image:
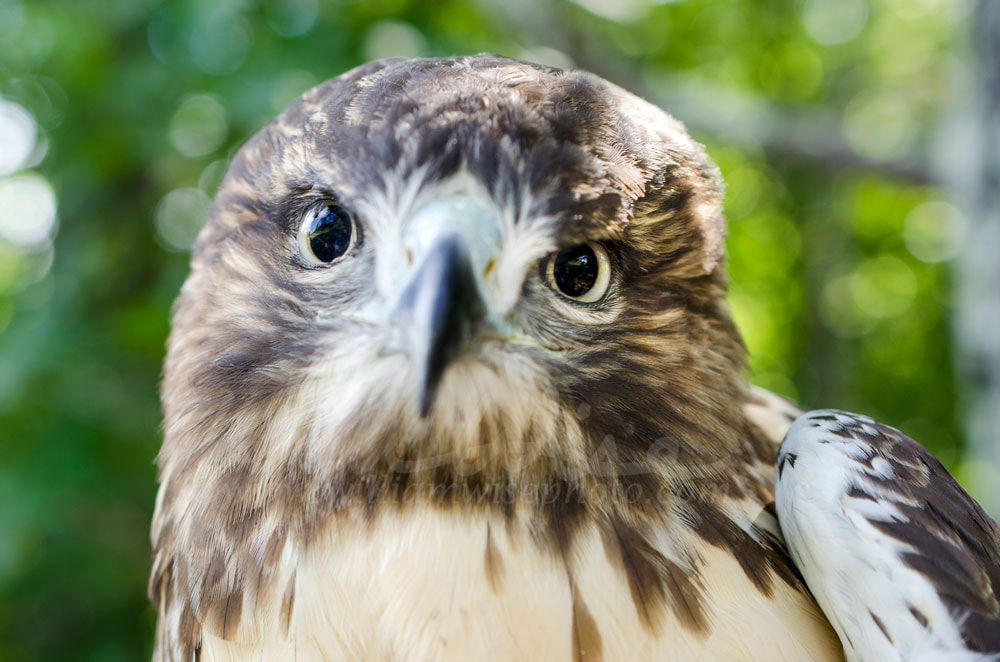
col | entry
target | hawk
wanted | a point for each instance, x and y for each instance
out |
(453, 378)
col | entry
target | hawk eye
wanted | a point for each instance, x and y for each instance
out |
(581, 273)
(327, 233)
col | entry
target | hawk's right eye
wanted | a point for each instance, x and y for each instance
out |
(327, 233)
(581, 273)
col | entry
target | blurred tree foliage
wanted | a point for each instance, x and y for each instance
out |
(819, 113)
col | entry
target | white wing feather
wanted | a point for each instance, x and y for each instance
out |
(902, 561)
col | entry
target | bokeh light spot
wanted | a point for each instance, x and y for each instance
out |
(35, 41)
(840, 313)
(211, 176)
(11, 18)
(394, 38)
(615, 10)
(883, 286)
(36, 265)
(45, 97)
(220, 45)
(27, 210)
(17, 136)
(834, 21)
(934, 231)
(199, 125)
(180, 215)
(879, 126)
(292, 18)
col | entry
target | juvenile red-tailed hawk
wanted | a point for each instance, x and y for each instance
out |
(453, 378)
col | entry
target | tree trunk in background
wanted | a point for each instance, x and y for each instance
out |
(978, 267)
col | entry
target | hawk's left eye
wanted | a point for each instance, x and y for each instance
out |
(581, 273)
(327, 233)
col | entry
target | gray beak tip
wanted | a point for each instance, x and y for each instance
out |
(439, 310)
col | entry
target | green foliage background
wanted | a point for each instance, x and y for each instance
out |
(836, 258)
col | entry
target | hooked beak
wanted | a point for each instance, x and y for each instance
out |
(439, 310)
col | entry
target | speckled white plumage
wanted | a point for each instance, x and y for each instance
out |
(841, 479)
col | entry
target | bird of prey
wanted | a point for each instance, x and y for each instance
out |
(453, 378)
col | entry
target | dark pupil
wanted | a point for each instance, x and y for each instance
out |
(575, 270)
(330, 233)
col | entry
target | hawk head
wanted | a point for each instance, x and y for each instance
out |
(452, 278)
